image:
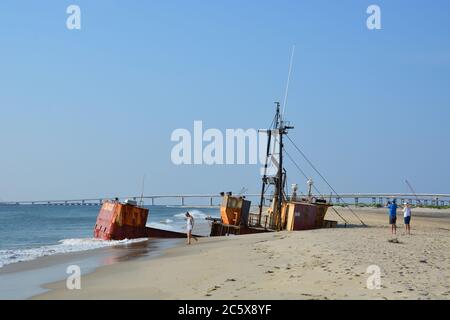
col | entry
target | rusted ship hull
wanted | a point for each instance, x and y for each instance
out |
(119, 221)
(219, 229)
(295, 216)
(305, 216)
(166, 234)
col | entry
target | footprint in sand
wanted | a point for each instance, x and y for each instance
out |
(213, 289)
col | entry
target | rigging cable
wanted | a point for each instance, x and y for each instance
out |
(315, 188)
(323, 178)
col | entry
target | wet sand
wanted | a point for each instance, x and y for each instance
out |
(316, 264)
(25, 279)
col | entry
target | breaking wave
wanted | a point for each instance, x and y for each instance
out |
(197, 214)
(63, 246)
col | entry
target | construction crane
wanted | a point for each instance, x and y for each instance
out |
(414, 193)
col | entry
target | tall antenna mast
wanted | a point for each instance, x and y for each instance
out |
(291, 61)
(279, 128)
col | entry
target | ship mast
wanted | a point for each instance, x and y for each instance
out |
(279, 128)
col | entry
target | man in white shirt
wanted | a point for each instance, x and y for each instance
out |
(407, 217)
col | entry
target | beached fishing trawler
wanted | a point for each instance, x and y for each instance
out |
(127, 220)
(284, 212)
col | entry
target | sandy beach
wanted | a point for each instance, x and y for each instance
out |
(317, 264)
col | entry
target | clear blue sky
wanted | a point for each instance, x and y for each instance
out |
(87, 113)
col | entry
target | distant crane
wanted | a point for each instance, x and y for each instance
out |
(412, 190)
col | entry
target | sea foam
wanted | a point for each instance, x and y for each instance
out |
(63, 246)
(197, 214)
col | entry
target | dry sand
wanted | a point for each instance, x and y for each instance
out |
(317, 264)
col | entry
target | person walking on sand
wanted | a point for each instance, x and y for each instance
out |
(407, 217)
(189, 226)
(393, 216)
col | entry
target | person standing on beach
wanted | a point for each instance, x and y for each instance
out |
(407, 217)
(393, 216)
(189, 226)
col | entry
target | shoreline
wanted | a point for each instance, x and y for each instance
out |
(30, 268)
(23, 280)
(315, 264)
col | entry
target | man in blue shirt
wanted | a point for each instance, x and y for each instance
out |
(393, 216)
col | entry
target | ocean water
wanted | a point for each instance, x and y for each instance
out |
(28, 232)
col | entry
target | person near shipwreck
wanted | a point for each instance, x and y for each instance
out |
(189, 226)
(407, 217)
(393, 216)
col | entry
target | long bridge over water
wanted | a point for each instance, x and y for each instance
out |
(214, 199)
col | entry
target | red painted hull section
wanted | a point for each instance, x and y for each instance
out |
(308, 217)
(117, 221)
